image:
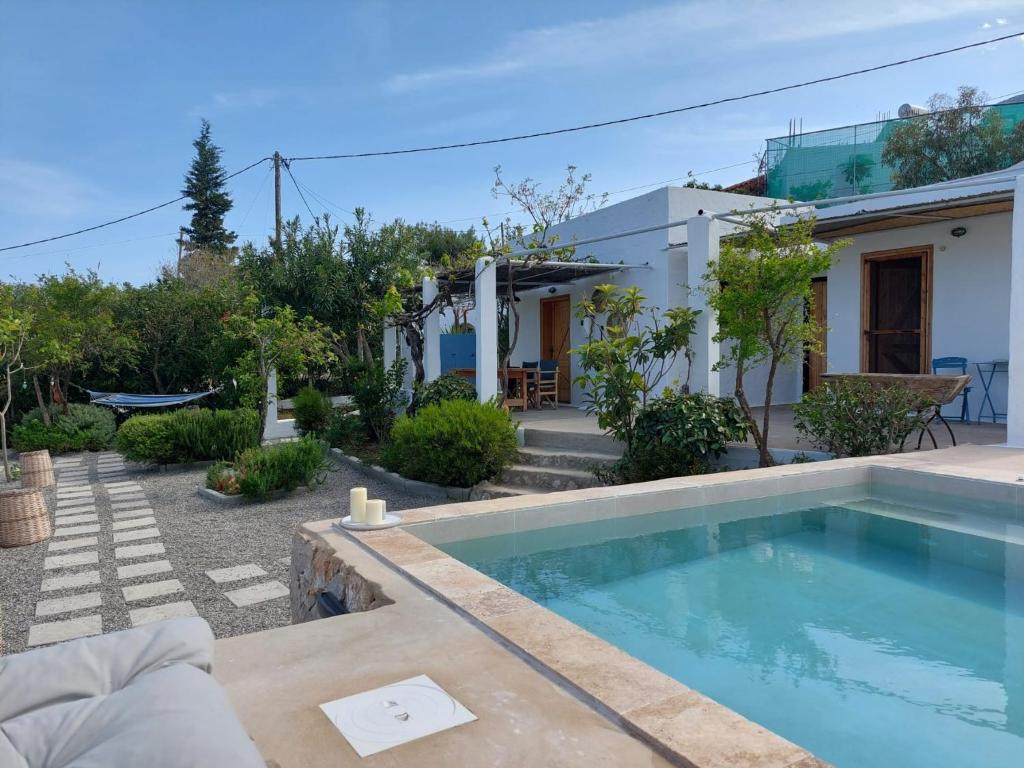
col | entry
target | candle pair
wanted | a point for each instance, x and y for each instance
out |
(363, 510)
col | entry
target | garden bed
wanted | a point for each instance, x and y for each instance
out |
(398, 482)
(238, 499)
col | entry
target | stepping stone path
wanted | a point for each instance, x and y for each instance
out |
(108, 559)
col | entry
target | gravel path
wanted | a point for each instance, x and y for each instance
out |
(193, 536)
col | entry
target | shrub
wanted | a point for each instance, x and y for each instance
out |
(223, 478)
(849, 417)
(446, 387)
(312, 411)
(456, 442)
(379, 395)
(196, 434)
(82, 428)
(281, 467)
(345, 429)
(677, 435)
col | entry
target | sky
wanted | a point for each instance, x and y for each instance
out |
(100, 101)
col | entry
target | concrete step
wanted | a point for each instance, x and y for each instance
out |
(571, 441)
(495, 491)
(547, 478)
(554, 457)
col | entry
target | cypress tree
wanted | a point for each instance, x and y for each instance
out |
(208, 201)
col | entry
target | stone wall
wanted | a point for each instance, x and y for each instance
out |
(316, 568)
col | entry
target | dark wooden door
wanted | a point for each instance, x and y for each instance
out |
(896, 311)
(554, 341)
(816, 362)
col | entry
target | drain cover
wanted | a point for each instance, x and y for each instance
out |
(395, 714)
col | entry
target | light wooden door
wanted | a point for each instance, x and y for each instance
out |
(817, 359)
(896, 289)
(554, 341)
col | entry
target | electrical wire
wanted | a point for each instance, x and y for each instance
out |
(287, 167)
(123, 218)
(662, 113)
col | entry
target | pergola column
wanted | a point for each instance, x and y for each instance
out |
(1015, 385)
(431, 333)
(486, 329)
(702, 242)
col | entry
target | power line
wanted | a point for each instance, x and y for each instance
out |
(662, 113)
(287, 167)
(123, 218)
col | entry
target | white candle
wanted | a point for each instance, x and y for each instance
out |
(357, 504)
(374, 512)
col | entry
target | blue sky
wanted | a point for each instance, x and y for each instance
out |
(99, 101)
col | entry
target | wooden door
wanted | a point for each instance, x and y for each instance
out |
(554, 341)
(816, 360)
(896, 290)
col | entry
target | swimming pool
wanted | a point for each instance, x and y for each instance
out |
(870, 631)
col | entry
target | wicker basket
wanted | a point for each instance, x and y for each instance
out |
(36, 469)
(24, 518)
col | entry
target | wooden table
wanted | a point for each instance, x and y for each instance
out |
(518, 376)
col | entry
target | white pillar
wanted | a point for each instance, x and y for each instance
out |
(272, 396)
(431, 333)
(702, 241)
(486, 329)
(390, 345)
(1015, 386)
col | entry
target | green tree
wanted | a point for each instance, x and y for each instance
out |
(760, 289)
(208, 199)
(273, 338)
(631, 348)
(15, 324)
(75, 332)
(958, 137)
(857, 172)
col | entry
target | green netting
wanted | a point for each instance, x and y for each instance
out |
(842, 161)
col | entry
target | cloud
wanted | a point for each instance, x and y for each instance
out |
(250, 98)
(38, 190)
(647, 36)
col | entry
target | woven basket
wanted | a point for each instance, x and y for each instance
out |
(24, 518)
(36, 469)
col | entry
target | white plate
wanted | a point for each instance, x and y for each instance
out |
(390, 521)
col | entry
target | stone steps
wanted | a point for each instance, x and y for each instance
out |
(553, 457)
(496, 491)
(574, 442)
(548, 478)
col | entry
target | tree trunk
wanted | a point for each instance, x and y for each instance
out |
(39, 399)
(741, 397)
(764, 455)
(3, 421)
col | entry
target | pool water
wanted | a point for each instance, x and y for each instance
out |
(869, 640)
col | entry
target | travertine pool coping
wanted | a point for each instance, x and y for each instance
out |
(682, 724)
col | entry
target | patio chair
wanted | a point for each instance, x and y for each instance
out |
(958, 364)
(533, 368)
(547, 383)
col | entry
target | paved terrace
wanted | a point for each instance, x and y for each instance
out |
(782, 433)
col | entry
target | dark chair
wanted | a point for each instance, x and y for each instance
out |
(958, 364)
(547, 386)
(532, 376)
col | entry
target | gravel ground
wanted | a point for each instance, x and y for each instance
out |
(198, 536)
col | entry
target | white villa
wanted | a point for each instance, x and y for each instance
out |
(935, 271)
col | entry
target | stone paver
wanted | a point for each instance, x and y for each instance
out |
(125, 491)
(88, 508)
(136, 535)
(151, 589)
(63, 545)
(129, 513)
(58, 631)
(257, 593)
(130, 504)
(141, 616)
(136, 522)
(68, 561)
(74, 502)
(235, 573)
(135, 570)
(76, 530)
(54, 605)
(72, 581)
(138, 550)
(75, 519)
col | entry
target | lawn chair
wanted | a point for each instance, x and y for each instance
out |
(547, 383)
(957, 364)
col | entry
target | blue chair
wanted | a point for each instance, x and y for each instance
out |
(547, 387)
(958, 364)
(533, 371)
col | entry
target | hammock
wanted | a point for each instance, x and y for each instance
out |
(122, 400)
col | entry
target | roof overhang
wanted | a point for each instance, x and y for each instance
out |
(529, 275)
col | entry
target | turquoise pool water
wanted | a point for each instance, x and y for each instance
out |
(870, 641)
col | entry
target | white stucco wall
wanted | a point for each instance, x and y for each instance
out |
(970, 300)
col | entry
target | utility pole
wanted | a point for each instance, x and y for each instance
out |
(277, 200)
